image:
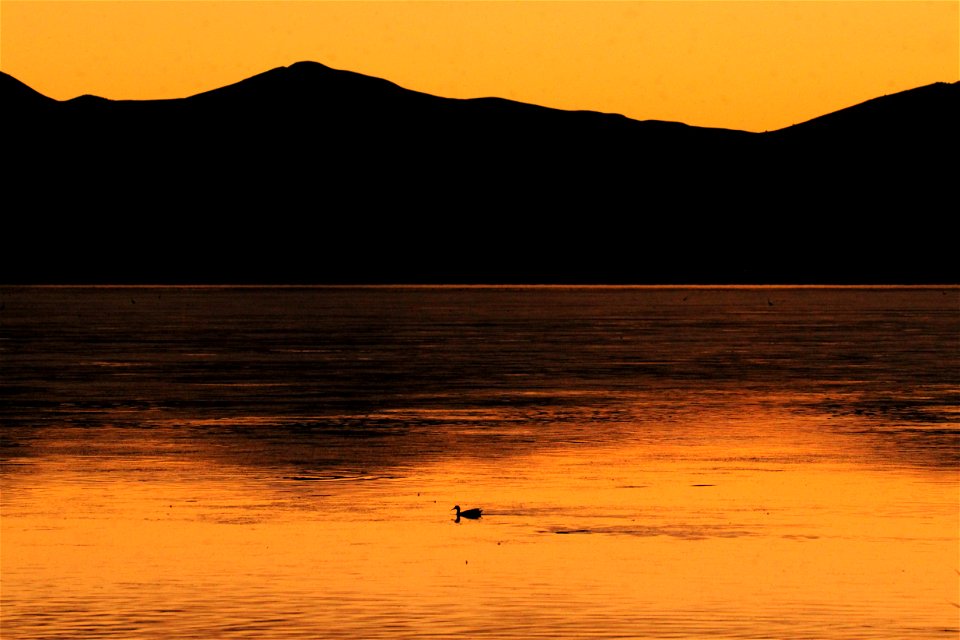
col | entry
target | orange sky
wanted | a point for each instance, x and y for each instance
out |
(754, 65)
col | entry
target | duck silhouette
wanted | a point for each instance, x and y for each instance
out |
(472, 514)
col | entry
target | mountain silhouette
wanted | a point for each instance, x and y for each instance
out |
(914, 118)
(307, 174)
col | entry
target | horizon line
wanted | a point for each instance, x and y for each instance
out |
(930, 285)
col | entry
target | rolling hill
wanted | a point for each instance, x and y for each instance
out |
(307, 174)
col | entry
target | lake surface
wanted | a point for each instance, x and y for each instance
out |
(230, 462)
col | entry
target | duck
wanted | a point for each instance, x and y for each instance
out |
(473, 514)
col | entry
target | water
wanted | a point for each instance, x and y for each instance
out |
(652, 462)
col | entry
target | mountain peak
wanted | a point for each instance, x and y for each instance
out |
(310, 66)
(303, 81)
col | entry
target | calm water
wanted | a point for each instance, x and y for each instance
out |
(652, 462)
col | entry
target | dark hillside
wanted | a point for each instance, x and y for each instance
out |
(310, 174)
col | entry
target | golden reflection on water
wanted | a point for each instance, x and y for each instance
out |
(759, 525)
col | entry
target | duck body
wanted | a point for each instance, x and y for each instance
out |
(473, 514)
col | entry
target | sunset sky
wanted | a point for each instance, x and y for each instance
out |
(754, 65)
